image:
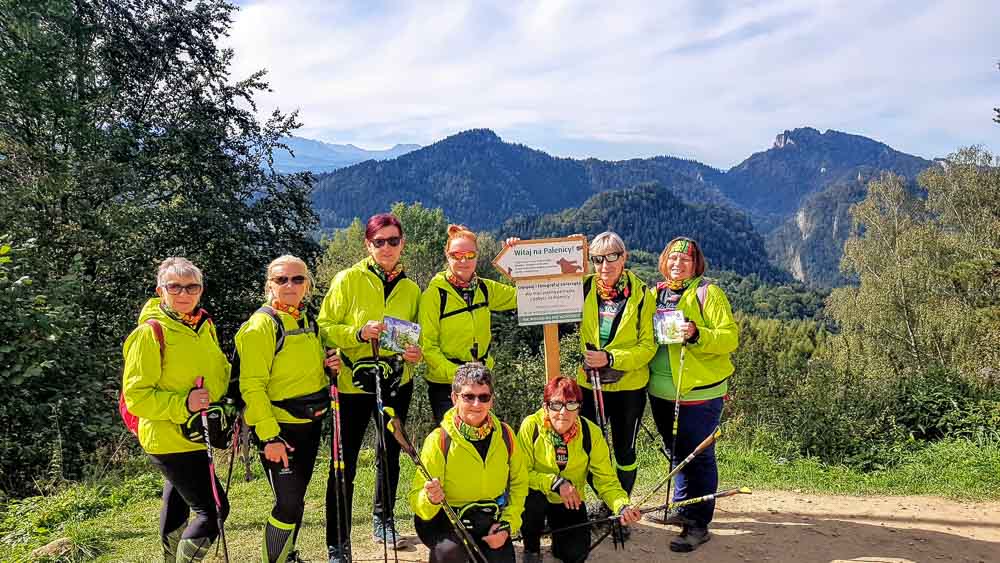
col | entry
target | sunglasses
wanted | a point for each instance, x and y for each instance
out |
(463, 256)
(177, 289)
(609, 257)
(556, 406)
(380, 242)
(282, 280)
(471, 397)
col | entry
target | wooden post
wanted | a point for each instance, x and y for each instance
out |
(551, 350)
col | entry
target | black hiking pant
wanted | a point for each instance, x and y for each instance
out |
(289, 484)
(439, 536)
(570, 546)
(623, 410)
(187, 488)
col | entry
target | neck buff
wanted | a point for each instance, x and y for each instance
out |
(683, 247)
(473, 433)
(467, 289)
(560, 442)
(386, 277)
(183, 318)
(612, 293)
(293, 310)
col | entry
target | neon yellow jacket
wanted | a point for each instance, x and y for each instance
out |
(631, 342)
(543, 470)
(706, 361)
(466, 478)
(264, 377)
(158, 395)
(357, 296)
(451, 335)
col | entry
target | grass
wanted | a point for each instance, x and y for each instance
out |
(118, 522)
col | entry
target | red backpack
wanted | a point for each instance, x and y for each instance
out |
(130, 420)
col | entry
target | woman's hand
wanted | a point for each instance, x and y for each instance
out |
(434, 491)
(510, 241)
(371, 330)
(690, 329)
(496, 538)
(413, 354)
(629, 515)
(332, 361)
(570, 496)
(277, 451)
(595, 359)
(198, 399)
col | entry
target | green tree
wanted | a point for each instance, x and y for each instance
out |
(928, 271)
(125, 140)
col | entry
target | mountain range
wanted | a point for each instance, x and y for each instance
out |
(318, 156)
(783, 208)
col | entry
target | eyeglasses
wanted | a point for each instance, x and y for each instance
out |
(282, 280)
(380, 242)
(463, 256)
(597, 259)
(471, 397)
(556, 406)
(176, 288)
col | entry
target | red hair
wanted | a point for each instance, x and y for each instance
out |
(381, 221)
(562, 385)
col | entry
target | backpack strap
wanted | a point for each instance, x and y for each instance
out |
(586, 437)
(305, 326)
(469, 308)
(158, 334)
(702, 293)
(587, 285)
(444, 440)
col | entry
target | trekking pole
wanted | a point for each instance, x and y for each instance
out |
(708, 497)
(708, 441)
(199, 383)
(677, 415)
(399, 433)
(234, 451)
(382, 455)
(595, 383)
(337, 459)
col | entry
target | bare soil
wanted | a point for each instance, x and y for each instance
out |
(787, 527)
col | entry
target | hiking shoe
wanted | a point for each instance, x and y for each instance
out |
(531, 557)
(294, 557)
(338, 555)
(384, 531)
(675, 518)
(689, 540)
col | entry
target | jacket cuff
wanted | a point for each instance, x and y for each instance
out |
(267, 429)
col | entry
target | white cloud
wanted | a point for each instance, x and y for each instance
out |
(709, 80)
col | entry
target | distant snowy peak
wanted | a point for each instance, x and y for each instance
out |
(319, 156)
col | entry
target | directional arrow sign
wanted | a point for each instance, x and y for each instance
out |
(544, 259)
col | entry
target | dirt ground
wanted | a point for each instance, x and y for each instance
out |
(787, 527)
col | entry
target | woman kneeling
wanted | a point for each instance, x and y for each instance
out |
(563, 449)
(478, 470)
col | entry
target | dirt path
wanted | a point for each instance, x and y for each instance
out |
(786, 527)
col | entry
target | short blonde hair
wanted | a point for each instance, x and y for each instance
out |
(281, 261)
(177, 266)
(459, 231)
(606, 243)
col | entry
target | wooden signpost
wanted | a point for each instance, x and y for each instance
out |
(548, 274)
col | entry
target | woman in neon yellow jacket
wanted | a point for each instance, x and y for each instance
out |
(286, 390)
(616, 337)
(353, 315)
(455, 317)
(479, 469)
(707, 336)
(158, 382)
(563, 451)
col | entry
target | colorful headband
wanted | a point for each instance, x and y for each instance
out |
(683, 246)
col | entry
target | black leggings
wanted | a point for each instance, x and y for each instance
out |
(289, 485)
(623, 410)
(439, 536)
(187, 487)
(570, 546)
(439, 396)
(356, 410)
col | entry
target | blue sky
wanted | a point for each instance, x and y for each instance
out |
(710, 80)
